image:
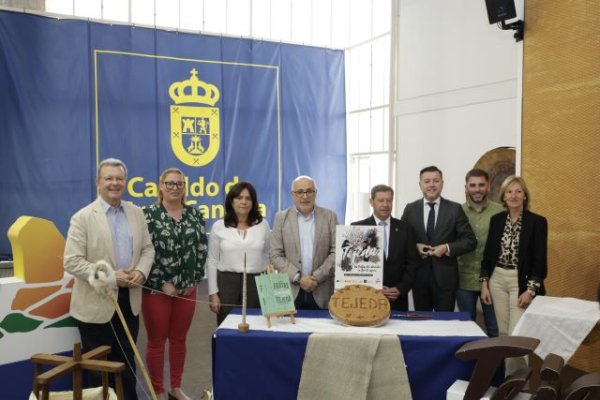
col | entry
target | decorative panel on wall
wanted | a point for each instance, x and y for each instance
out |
(561, 145)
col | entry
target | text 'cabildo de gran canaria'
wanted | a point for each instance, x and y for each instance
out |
(140, 187)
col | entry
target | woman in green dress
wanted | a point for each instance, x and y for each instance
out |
(179, 238)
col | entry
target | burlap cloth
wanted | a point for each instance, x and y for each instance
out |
(353, 366)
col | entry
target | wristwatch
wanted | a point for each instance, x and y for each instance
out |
(296, 280)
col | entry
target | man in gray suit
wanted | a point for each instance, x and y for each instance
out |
(303, 246)
(109, 234)
(443, 233)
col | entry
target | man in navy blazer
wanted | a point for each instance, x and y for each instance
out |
(401, 258)
(442, 232)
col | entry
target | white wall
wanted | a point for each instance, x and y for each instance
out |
(457, 91)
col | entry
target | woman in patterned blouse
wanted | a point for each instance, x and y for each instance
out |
(514, 263)
(241, 237)
(179, 239)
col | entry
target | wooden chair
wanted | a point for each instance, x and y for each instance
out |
(94, 360)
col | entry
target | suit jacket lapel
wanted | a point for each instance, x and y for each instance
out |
(442, 217)
(525, 231)
(318, 228)
(292, 216)
(393, 236)
(420, 219)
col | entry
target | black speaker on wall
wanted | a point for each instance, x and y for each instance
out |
(500, 10)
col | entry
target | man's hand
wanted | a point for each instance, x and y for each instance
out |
(123, 277)
(423, 250)
(136, 278)
(308, 283)
(432, 251)
(392, 293)
(438, 251)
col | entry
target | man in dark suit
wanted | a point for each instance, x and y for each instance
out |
(401, 258)
(442, 232)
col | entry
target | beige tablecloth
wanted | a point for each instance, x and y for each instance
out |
(353, 366)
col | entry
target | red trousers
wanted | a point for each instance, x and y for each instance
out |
(165, 318)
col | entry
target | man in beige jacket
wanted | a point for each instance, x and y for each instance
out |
(108, 242)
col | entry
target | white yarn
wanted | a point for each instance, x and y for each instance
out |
(103, 279)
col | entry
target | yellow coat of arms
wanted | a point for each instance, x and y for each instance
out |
(195, 130)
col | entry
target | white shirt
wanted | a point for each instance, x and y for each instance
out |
(306, 231)
(226, 249)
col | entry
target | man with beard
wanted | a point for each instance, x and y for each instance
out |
(479, 209)
(443, 233)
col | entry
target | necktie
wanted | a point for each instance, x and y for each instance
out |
(384, 224)
(430, 221)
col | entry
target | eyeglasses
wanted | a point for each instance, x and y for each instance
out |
(301, 193)
(172, 184)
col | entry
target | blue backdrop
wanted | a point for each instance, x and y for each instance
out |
(221, 109)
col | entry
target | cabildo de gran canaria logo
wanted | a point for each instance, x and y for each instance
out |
(195, 132)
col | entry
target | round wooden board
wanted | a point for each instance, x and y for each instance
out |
(359, 305)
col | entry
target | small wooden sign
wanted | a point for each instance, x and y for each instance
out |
(275, 296)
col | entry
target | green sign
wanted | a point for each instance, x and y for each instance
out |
(275, 294)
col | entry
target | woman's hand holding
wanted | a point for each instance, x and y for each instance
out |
(525, 299)
(189, 290)
(214, 302)
(169, 289)
(486, 296)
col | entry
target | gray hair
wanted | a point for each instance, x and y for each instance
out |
(303, 177)
(112, 162)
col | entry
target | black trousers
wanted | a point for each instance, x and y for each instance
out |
(305, 301)
(94, 335)
(428, 296)
(230, 292)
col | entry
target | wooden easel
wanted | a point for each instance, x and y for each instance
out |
(281, 314)
(94, 360)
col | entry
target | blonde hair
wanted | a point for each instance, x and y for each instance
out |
(161, 180)
(509, 181)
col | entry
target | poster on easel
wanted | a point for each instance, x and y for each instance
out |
(359, 256)
(275, 296)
